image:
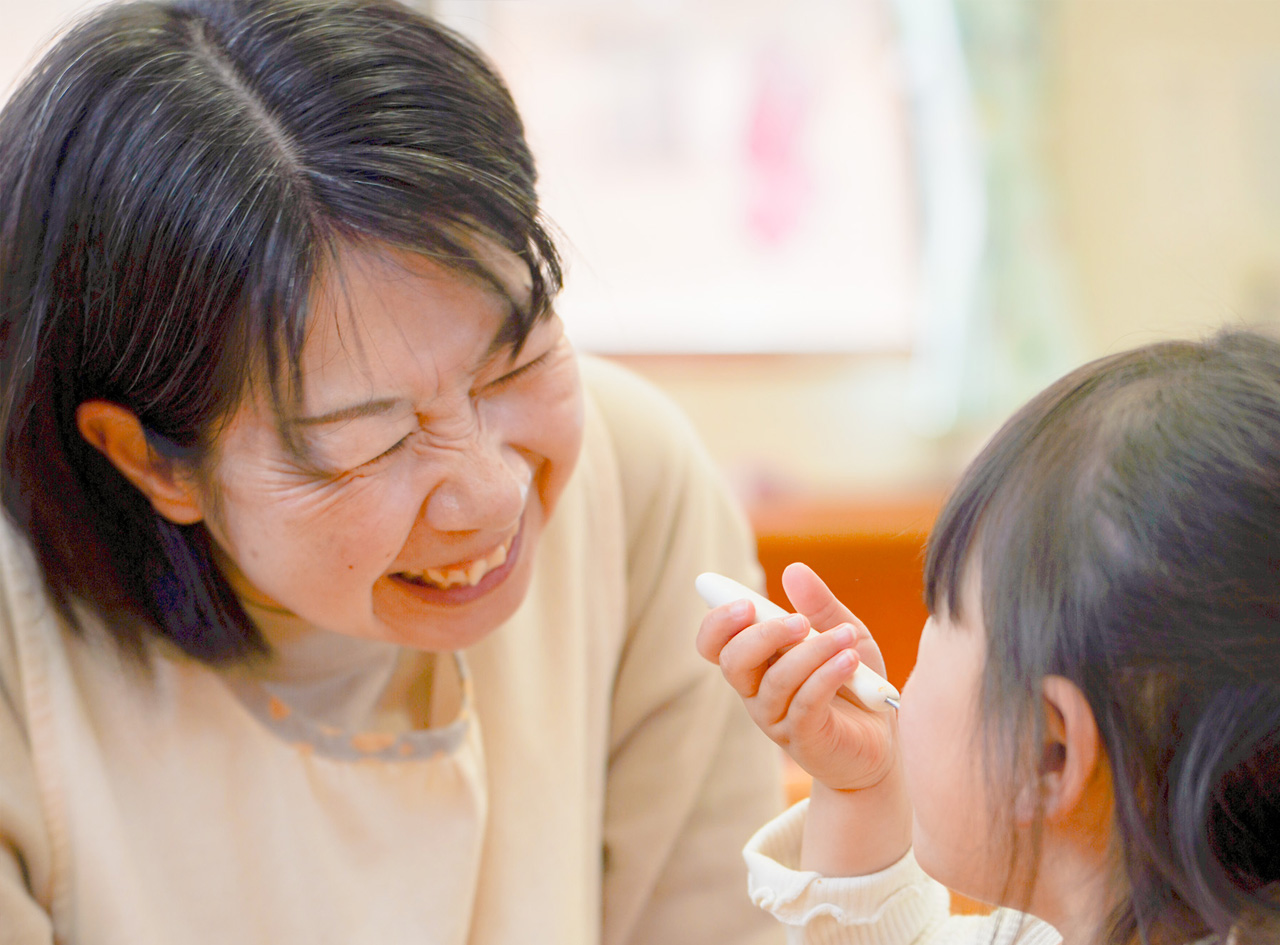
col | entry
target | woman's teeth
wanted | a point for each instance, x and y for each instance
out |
(469, 574)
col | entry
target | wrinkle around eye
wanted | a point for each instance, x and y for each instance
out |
(423, 442)
(337, 458)
(301, 494)
(548, 339)
(515, 374)
(395, 448)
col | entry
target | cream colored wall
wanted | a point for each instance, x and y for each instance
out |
(1166, 156)
(815, 425)
(1169, 162)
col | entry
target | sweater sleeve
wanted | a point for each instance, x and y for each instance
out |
(900, 905)
(689, 776)
(24, 842)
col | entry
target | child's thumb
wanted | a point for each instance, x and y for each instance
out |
(810, 596)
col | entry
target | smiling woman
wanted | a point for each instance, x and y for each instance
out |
(422, 444)
(339, 600)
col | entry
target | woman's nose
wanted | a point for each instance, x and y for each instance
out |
(486, 489)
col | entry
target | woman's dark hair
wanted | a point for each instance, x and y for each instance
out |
(174, 176)
(1125, 525)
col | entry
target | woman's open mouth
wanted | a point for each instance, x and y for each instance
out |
(464, 580)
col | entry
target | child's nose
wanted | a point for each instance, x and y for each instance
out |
(486, 489)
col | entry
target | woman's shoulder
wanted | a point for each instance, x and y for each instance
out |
(632, 405)
(668, 483)
(649, 435)
(33, 631)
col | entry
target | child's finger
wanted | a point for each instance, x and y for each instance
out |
(720, 625)
(822, 685)
(793, 670)
(746, 657)
(810, 596)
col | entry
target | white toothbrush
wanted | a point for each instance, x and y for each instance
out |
(871, 689)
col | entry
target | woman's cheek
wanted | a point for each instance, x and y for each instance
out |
(351, 527)
(379, 510)
(543, 420)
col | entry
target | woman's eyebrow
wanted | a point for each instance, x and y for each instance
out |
(370, 408)
(497, 348)
(508, 336)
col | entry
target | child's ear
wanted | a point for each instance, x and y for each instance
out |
(1071, 767)
(117, 433)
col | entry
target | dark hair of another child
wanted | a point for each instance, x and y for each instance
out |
(173, 178)
(1126, 528)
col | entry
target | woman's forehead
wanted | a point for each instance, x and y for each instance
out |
(490, 267)
(365, 290)
(373, 305)
(483, 263)
(383, 320)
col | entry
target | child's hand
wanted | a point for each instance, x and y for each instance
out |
(789, 684)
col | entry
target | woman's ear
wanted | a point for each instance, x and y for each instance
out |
(1072, 778)
(117, 433)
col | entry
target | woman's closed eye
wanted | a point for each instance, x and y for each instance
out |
(355, 447)
(495, 385)
(389, 452)
(512, 376)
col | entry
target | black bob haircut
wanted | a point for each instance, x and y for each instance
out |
(173, 178)
(1125, 528)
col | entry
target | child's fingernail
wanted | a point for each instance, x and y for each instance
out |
(739, 608)
(844, 660)
(796, 623)
(844, 634)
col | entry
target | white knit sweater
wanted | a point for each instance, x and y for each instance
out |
(900, 905)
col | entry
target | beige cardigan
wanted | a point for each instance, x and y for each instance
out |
(597, 787)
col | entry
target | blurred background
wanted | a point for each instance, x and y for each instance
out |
(851, 236)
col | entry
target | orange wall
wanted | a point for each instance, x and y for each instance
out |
(870, 553)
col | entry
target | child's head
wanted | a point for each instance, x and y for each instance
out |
(1124, 528)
